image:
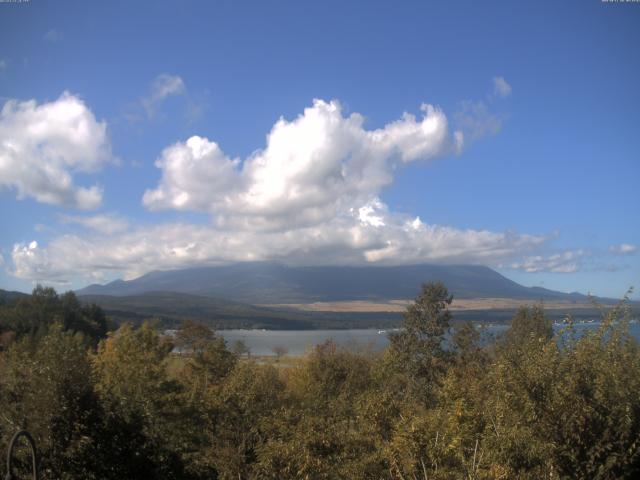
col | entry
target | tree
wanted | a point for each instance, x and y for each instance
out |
(193, 337)
(565, 409)
(280, 351)
(237, 421)
(35, 314)
(133, 385)
(208, 366)
(418, 348)
(529, 324)
(240, 348)
(319, 432)
(87, 319)
(45, 387)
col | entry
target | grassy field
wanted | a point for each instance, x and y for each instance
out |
(364, 306)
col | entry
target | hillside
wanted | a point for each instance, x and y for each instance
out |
(7, 296)
(269, 283)
(174, 307)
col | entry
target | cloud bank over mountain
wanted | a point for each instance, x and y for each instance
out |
(311, 196)
(341, 241)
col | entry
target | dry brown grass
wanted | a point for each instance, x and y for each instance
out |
(364, 306)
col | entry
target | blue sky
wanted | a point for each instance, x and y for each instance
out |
(133, 137)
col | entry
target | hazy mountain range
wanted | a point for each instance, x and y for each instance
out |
(269, 283)
(251, 295)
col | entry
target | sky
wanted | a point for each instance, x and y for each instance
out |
(142, 136)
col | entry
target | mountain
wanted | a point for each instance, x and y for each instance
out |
(270, 283)
(7, 296)
(173, 307)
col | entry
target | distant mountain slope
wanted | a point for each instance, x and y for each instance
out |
(7, 296)
(266, 283)
(172, 308)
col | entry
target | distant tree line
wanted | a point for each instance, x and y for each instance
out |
(122, 404)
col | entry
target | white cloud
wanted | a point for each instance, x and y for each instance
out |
(53, 36)
(3, 65)
(569, 261)
(476, 120)
(312, 169)
(309, 197)
(368, 216)
(163, 86)
(501, 88)
(106, 224)
(197, 175)
(41, 146)
(344, 240)
(623, 249)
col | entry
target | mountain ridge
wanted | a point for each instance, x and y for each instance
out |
(272, 283)
(8, 296)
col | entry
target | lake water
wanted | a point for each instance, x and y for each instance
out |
(297, 342)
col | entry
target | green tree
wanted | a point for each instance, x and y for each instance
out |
(209, 359)
(238, 414)
(90, 320)
(240, 348)
(529, 323)
(418, 349)
(44, 307)
(566, 409)
(45, 388)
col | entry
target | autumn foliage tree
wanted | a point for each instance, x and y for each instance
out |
(439, 402)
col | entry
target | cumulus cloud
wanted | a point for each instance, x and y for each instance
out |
(41, 146)
(105, 224)
(311, 196)
(569, 261)
(623, 249)
(501, 88)
(312, 169)
(163, 86)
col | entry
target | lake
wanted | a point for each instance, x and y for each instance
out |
(297, 342)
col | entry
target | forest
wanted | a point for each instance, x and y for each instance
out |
(107, 401)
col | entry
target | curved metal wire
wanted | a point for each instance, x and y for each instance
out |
(34, 459)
